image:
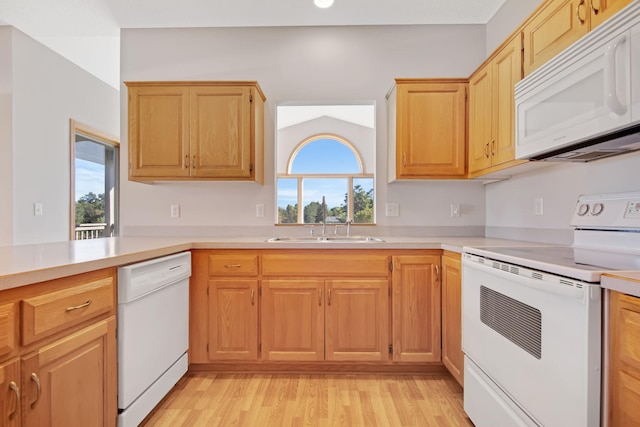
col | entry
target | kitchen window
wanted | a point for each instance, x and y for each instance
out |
(325, 153)
(94, 183)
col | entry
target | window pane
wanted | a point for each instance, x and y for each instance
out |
(287, 201)
(363, 200)
(325, 156)
(334, 191)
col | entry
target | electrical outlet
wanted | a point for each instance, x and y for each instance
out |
(175, 211)
(392, 209)
(37, 209)
(259, 210)
(455, 210)
(538, 206)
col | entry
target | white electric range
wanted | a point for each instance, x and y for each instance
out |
(532, 319)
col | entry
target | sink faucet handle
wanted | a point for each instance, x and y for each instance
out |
(348, 223)
(335, 231)
(310, 227)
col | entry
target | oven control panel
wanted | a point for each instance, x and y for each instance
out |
(618, 211)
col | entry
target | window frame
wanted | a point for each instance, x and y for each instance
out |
(75, 128)
(301, 176)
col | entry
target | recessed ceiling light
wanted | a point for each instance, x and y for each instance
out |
(323, 3)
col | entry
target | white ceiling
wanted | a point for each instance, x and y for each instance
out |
(105, 17)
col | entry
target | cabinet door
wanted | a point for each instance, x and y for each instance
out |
(292, 319)
(221, 131)
(507, 71)
(72, 382)
(8, 332)
(159, 131)
(233, 317)
(10, 393)
(480, 119)
(624, 351)
(416, 308)
(556, 26)
(452, 355)
(357, 320)
(431, 130)
(601, 10)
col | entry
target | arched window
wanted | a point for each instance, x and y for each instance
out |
(330, 168)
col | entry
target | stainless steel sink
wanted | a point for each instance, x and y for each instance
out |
(335, 239)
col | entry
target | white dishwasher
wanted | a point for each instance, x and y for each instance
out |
(153, 333)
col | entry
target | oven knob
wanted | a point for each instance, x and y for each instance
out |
(583, 209)
(597, 209)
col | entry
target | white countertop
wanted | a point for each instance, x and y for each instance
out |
(627, 282)
(26, 264)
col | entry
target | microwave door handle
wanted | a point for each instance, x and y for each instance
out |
(611, 95)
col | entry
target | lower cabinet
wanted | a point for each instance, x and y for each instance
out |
(452, 355)
(315, 319)
(61, 366)
(624, 355)
(263, 306)
(416, 308)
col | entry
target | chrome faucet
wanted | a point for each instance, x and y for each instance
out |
(349, 227)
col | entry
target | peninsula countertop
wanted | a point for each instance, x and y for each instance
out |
(26, 264)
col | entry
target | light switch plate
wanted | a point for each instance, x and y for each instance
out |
(175, 211)
(455, 210)
(392, 209)
(259, 210)
(538, 206)
(37, 209)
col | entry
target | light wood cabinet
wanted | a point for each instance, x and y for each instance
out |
(624, 354)
(416, 308)
(452, 355)
(8, 328)
(427, 129)
(224, 301)
(293, 319)
(62, 370)
(556, 24)
(492, 137)
(196, 130)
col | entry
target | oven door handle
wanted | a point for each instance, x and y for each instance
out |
(552, 288)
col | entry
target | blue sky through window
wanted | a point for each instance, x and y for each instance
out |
(89, 177)
(325, 156)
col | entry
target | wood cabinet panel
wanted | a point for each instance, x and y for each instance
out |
(452, 355)
(356, 316)
(292, 319)
(556, 26)
(159, 131)
(8, 328)
(601, 10)
(52, 312)
(624, 354)
(416, 308)
(10, 393)
(233, 329)
(480, 118)
(72, 382)
(233, 264)
(220, 119)
(330, 264)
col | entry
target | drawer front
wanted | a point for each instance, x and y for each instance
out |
(325, 265)
(8, 313)
(233, 265)
(52, 312)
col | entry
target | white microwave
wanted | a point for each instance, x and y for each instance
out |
(584, 104)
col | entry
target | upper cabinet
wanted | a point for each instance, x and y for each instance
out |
(559, 23)
(491, 110)
(196, 130)
(427, 129)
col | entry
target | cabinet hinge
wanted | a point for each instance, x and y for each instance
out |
(250, 98)
(391, 266)
(390, 348)
(522, 45)
(250, 167)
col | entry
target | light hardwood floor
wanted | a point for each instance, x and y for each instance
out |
(332, 400)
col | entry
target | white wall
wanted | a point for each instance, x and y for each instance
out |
(6, 159)
(306, 64)
(506, 20)
(48, 90)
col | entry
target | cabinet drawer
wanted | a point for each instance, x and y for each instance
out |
(8, 314)
(233, 265)
(325, 265)
(52, 312)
